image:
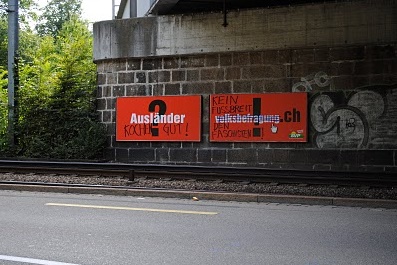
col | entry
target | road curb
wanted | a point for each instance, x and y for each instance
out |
(205, 195)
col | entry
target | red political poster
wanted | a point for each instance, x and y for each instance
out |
(162, 118)
(271, 117)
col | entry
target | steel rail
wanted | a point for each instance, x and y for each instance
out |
(240, 174)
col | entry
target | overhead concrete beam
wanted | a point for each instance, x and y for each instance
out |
(326, 24)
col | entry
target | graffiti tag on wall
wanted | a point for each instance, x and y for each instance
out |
(344, 121)
(319, 79)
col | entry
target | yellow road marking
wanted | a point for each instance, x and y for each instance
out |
(130, 209)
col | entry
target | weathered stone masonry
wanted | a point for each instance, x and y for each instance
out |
(351, 82)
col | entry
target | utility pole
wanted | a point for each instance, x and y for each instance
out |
(13, 36)
(113, 9)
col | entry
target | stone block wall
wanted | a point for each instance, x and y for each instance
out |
(352, 104)
(342, 53)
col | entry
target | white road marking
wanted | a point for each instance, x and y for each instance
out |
(33, 261)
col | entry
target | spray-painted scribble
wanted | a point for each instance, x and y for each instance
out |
(320, 79)
(351, 123)
(342, 121)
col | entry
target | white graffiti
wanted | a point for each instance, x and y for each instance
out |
(320, 79)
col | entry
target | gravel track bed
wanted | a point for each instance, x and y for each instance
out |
(261, 188)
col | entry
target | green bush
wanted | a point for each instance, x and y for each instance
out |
(57, 117)
(3, 111)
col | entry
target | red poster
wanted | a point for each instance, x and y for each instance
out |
(163, 118)
(271, 117)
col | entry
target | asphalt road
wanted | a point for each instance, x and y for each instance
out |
(64, 229)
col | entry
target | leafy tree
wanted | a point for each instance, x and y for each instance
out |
(27, 41)
(57, 115)
(38, 79)
(79, 134)
(26, 13)
(3, 109)
(59, 97)
(3, 42)
(23, 4)
(55, 14)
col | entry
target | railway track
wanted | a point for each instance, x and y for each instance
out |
(182, 172)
